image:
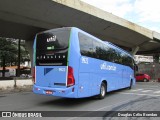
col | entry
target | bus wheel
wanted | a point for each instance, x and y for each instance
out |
(102, 91)
(145, 80)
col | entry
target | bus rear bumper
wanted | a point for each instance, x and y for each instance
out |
(61, 92)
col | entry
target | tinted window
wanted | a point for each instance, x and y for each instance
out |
(52, 47)
(101, 50)
(113, 55)
(53, 40)
(86, 45)
(107, 53)
(139, 74)
(96, 49)
(127, 60)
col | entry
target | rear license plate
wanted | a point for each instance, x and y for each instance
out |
(49, 92)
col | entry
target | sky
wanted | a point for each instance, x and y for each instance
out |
(145, 13)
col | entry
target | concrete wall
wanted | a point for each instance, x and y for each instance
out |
(11, 84)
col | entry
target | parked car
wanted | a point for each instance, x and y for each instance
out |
(142, 77)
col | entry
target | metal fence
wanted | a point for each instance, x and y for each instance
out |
(152, 69)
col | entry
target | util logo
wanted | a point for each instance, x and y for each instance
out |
(51, 39)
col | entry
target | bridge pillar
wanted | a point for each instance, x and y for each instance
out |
(156, 57)
(134, 50)
(29, 45)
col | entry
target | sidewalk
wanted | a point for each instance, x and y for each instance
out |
(17, 85)
(153, 80)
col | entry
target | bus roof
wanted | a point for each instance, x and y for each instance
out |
(63, 28)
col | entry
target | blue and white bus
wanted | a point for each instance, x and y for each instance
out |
(69, 62)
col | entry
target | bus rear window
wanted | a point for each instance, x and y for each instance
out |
(53, 40)
(52, 47)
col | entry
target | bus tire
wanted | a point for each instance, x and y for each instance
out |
(102, 91)
(145, 80)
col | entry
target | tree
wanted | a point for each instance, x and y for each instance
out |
(9, 52)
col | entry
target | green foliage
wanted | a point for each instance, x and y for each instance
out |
(9, 50)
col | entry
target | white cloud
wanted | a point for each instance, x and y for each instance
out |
(143, 12)
(117, 7)
(148, 10)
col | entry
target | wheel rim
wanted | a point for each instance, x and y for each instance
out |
(103, 91)
(145, 80)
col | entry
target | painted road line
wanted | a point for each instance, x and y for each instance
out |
(146, 91)
(141, 94)
(102, 108)
(136, 90)
(156, 92)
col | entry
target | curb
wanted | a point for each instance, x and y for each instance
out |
(154, 81)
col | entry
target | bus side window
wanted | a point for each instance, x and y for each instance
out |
(106, 53)
(117, 57)
(100, 51)
(86, 45)
(113, 55)
(96, 50)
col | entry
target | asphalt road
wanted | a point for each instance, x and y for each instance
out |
(145, 96)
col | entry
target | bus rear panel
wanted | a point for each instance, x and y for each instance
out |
(52, 75)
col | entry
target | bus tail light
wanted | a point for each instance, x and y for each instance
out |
(33, 75)
(70, 79)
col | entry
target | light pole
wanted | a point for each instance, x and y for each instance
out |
(19, 57)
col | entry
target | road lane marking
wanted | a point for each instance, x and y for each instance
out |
(140, 94)
(145, 91)
(136, 90)
(149, 86)
(100, 109)
(156, 92)
(112, 105)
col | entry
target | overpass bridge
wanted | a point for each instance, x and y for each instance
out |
(22, 19)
